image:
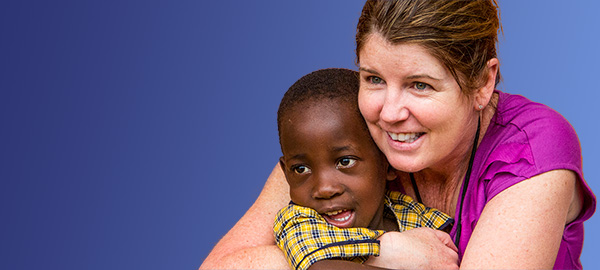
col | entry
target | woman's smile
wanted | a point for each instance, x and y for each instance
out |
(405, 142)
(405, 137)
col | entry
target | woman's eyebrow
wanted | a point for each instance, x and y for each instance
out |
(421, 76)
(368, 70)
(411, 77)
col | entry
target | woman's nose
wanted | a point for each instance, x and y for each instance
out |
(394, 107)
(327, 187)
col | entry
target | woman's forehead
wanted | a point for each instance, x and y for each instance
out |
(379, 55)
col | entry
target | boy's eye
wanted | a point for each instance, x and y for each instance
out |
(345, 162)
(300, 169)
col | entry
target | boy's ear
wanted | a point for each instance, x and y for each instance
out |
(282, 165)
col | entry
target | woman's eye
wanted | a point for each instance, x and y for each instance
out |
(421, 86)
(374, 80)
(301, 169)
(345, 163)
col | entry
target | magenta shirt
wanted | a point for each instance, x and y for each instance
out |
(525, 139)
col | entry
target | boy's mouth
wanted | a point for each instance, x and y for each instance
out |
(340, 218)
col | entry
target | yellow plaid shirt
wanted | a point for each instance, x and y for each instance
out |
(305, 236)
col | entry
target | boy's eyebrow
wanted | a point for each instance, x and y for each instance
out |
(298, 156)
(341, 148)
(334, 149)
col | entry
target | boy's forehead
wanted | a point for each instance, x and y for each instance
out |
(325, 102)
(328, 115)
(325, 109)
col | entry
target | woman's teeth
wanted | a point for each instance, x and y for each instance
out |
(405, 137)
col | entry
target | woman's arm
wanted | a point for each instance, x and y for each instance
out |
(521, 227)
(420, 248)
(250, 244)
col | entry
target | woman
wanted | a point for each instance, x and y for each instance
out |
(507, 169)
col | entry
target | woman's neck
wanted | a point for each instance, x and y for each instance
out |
(440, 187)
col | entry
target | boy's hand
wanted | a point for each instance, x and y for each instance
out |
(420, 248)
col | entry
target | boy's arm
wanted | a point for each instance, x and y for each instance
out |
(309, 241)
(420, 248)
(306, 239)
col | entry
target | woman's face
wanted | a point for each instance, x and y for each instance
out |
(414, 107)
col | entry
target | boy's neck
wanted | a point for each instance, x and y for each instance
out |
(390, 225)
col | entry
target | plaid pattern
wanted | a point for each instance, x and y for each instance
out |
(411, 214)
(305, 236)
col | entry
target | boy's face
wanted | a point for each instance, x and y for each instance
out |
(332, 164)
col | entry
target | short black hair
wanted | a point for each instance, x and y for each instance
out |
(324, 84)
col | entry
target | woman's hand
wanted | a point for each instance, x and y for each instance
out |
(420, 248)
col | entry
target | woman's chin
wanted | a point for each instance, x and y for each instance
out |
(405, 164)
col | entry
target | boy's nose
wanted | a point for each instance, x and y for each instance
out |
(327, 187)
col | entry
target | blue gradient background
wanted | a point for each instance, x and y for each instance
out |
(135, 133)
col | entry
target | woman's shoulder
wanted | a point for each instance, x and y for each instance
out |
(529, 116)
(547, 132)
(524, 139)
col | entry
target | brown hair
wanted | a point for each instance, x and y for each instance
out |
(462, 34)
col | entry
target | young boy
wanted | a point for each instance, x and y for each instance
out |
(337, 177)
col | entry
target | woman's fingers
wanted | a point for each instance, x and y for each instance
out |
(421, 248)
(445, 238)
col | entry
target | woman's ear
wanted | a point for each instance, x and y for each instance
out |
(484, 94)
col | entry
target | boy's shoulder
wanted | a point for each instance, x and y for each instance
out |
(294, 211)
(412, 214)
(396, 197)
